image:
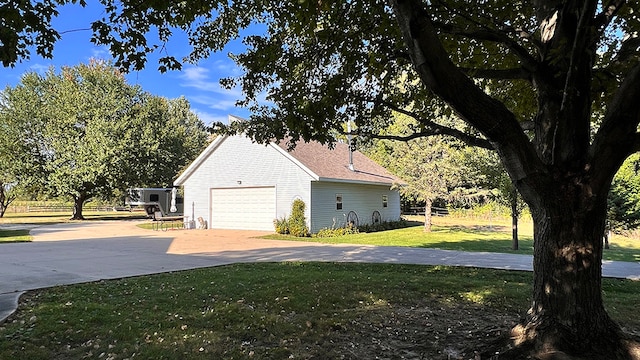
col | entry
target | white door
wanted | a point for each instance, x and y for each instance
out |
(243, 208)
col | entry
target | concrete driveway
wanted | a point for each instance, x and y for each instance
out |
(88, 251)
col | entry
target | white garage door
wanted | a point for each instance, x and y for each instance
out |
(243, 208)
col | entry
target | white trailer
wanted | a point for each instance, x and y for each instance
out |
(157, 202)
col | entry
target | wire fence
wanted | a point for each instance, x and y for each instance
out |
(60, 208)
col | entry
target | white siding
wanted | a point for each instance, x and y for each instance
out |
(239, 163)
(362, 199)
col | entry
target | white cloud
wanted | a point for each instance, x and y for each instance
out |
(40, 68)
(207, 88)
(100, 53)
(210, 101)
(214, 102)
(209, 118)
(199, 78)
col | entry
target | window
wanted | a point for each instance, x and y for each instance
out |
(154, 197)
(338, 201)
(385, 201)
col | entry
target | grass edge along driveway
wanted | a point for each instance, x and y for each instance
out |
(467, 234)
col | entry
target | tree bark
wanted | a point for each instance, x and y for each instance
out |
(78, 203)
(514, 221)
(567, 315)
(427, 215)
(5, 199)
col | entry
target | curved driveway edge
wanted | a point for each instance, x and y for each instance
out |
(80, 252)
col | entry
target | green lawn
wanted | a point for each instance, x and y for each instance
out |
(14, 236)
(468, 234)
(276, 311)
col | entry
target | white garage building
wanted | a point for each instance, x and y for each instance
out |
(238, 184)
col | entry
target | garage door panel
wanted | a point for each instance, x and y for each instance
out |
(243, 208)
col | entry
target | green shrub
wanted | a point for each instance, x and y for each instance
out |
(297, 221)
(281, 225)
(335, 232)
(382, 226)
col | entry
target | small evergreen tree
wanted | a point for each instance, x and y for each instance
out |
(297, 221)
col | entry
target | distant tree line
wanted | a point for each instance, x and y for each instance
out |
(82, 132)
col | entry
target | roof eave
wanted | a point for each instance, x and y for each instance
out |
(360, 182)
(180, 180)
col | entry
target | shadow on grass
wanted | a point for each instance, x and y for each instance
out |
(482, 244)
(475, 228)
(525, 247)
(12, 236)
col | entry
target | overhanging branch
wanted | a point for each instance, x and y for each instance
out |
(488, 34)
(497, 74)
(431, 128)
(488, 115)
(618, 137)
(608, 14)
(467, 139)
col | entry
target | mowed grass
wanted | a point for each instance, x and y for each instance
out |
(258, 311)
(467, 234)
(14, 236)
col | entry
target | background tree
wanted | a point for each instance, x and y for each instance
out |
(624, 198)
(96, 134)
(524, 77)
(7, 193)
(431, 167)
(21, 167)
(492, 175)
(169, 137)
(7, 175)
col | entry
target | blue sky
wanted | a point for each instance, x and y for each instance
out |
(198, 83)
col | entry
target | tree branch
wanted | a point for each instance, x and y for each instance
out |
(432, 129)
(488, 115)
(471, 141)
(608, 14)
(628, 49)
(618, 136)
(498, 74)
(487, 34)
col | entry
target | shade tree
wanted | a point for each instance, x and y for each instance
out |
(84, 133)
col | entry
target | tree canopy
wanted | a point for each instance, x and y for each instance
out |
(84, 132)
(551, 86)
(624, 197)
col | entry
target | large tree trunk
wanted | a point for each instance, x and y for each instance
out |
(78, 203)
(567, 315)
(562, 168)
